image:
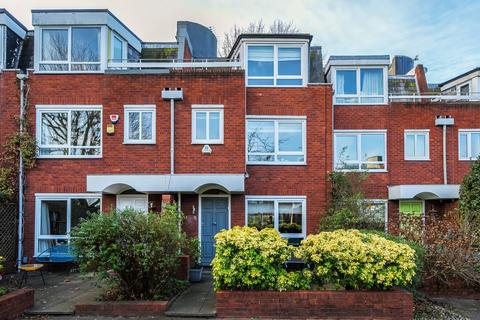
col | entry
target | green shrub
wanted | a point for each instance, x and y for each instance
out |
(356, 260)
(192, 249)
(135, 253)
(248, 259)
(3, 290)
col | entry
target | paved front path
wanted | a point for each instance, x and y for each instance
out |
(468, 307)
(197, 301)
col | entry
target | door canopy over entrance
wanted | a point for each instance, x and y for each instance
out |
(424, 191)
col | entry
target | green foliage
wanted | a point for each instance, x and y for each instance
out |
(3, 290)
(135, 253)
(349, 208)
(248, 259)
(469, 203)
(192, 248)
(356, 260)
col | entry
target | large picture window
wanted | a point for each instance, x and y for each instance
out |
(140, 124)
(274, 65)
(285, 214)
(276, 141)
(70, 49)
(360, 86)
(360, 150)
(69, 131)
(57, 215)
(469, 144)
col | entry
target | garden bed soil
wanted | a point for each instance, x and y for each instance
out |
(13, 304)
(393, 304)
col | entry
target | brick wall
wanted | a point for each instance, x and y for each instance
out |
(396, 304)
(13, 304)
(9, 105)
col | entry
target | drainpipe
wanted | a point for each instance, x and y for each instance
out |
(444, 122)
(172, 94)
(22, 78)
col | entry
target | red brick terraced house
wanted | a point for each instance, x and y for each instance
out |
(247, 139)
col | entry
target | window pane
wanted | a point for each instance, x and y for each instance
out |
(465, 90)
(260, 214)
(411, 208)
(410, 145)
(463, 145)
(260, 136)
(475, 145)
(117, 49)
(53, 67)
(134, 125)
(294, 158)
(290, 137)
(54, 44)
(290, 217)
(86, 128)
(214, 125)
(85, 151)
(81, 208)
(289, 82)
(201, 125)
(346, 148)
(373, 147)
(420, 146)
(260, 82)
(371, 82)
(270, 158)
(86, 44)
(147, 125)
(375, 214)
(85, 67)
(53, 151)
(53, 218)
(260, 61)
(346, 82)
(54, 128)
(289, 61)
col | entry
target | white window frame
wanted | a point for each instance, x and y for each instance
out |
(68, 109)
(39, 50)
(416, 133)
(380, 201)
(277, 120)
(303, 65)
(39, 197)
(112, 46)
(467, 84)
(140, 109)
(468, 132)
(359, 133)
(208, 109)
(281, 199)
(358, 95)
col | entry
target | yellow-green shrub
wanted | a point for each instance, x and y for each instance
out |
(356, 260)
(248, 259)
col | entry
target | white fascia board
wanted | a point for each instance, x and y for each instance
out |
(460, 81)
(424, 191)
(356, 63)
(87, 18)
(164, 182)
(6, 20)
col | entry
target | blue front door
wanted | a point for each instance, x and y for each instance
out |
(214, 218)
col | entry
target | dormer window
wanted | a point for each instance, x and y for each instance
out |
(361, 85)
(275, 65)
(70, 49)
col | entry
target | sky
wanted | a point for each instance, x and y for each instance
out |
(444, 34)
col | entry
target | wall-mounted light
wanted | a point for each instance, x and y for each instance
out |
(193, 209)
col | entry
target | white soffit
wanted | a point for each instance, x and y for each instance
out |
(424, 191)
(5, 19)
(165, 182)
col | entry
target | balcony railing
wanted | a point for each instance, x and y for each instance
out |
(436, 97)
(152, 64)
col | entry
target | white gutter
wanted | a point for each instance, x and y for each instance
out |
(22, 78)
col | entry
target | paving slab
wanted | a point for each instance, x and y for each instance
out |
(198, 301)
(468, 307)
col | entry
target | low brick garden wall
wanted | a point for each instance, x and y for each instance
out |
(394, 304)
(122, 308)
(13, 304)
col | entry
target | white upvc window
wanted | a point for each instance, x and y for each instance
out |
(287, 214)
(364, 150)
(276, 141)
(276, 65)
(207, 124)
(361, 85)
(377, 210)
(69, 49)
(417, 144)
(118, 49)
(69, 131)
(468, 144)
(140, 124)
(57, 214)
(2, 47)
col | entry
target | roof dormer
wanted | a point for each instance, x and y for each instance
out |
(12, 34)
(273, 60)
(81, 41)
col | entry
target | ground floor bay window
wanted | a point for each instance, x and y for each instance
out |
(57, 214)
(285, 214)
